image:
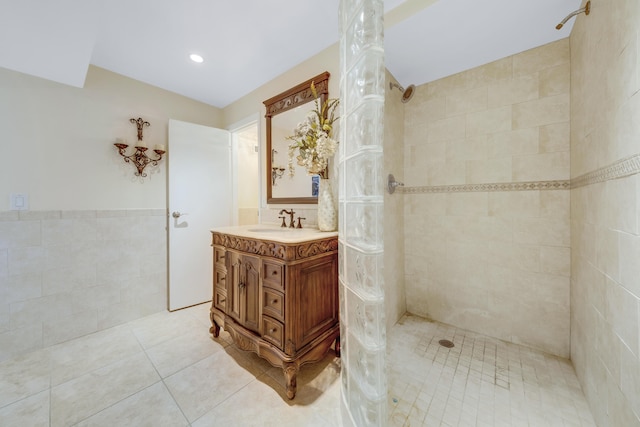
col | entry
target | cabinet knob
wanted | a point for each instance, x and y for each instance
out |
(275, 301)
(272, 330)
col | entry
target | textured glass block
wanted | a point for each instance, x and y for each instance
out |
(363, 225)
(344, 371)
(364, 319)
(364, 31)
(347, 12)
(365, 411)
(367, 368)
(341, 252)
(341, 179)
(367, 79)
(365, 125)
(342, 226)
(364, 179)
(362, 326)
(343, 301)
(364, 273)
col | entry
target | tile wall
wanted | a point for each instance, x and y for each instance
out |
(64, 274)
(394, 297)
(494, 259)
(605, 209)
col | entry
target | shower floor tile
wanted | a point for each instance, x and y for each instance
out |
(481, 381)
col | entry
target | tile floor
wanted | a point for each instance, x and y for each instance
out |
(481, 381)
(165, 370)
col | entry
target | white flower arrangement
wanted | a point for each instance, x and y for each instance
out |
(312, 138)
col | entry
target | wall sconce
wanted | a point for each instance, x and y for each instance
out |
(139, 157)
(276, 171)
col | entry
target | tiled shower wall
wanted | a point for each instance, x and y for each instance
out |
(394, 292)
(65, 274)
(494, 259)
(605, 210)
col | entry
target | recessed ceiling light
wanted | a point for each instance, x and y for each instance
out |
(196, 58)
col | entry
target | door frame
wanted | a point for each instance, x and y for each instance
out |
(234, 129)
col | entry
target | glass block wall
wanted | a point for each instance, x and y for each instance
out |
(361, 191)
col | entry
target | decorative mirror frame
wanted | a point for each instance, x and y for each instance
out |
(287, 100)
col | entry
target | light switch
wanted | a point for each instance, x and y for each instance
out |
(19, 202)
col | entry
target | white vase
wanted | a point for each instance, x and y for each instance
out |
(327, 212)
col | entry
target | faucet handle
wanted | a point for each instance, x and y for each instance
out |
(299, 223)
(284, 224)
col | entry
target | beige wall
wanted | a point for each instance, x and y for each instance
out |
(91, 251)
(58, 140)
(495, 262)
(605, 211)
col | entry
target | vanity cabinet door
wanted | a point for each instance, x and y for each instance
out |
(243, 289)
(234, 279)
(251, 289)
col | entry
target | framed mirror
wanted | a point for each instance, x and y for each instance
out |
(284, 112)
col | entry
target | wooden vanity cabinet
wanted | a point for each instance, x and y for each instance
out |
(279, 300)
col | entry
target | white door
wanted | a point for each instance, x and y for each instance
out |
(200, 197)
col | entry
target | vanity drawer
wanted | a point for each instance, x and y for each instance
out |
(273, 331)
(220, 299)
(273, 303)
(273, 275)
(219, 278)
(219, 254)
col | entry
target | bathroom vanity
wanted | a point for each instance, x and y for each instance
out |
(275, 290)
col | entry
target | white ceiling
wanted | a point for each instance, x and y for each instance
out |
(247, 43)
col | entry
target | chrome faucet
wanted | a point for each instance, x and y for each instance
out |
(291, 213)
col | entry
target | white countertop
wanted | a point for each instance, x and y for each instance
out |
(276, 233)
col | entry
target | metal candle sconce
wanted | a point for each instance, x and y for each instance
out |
(139, 158)
(276, 171)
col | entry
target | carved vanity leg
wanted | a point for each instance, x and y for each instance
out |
(337, 346)
(290, 376)
(215, 328)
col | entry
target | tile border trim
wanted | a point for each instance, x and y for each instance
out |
(490, 187)
(619, 169)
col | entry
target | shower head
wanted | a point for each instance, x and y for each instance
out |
(407, 93)
(586, 9)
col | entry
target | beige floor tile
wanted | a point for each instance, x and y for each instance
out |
(108, 379)
(201, 313)
(24, 376)
(150, 407)
(270, 407)
(159, 327)
(203, 385)
(32, 411)
(77, 357)
(177, 353)
(84, 396)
